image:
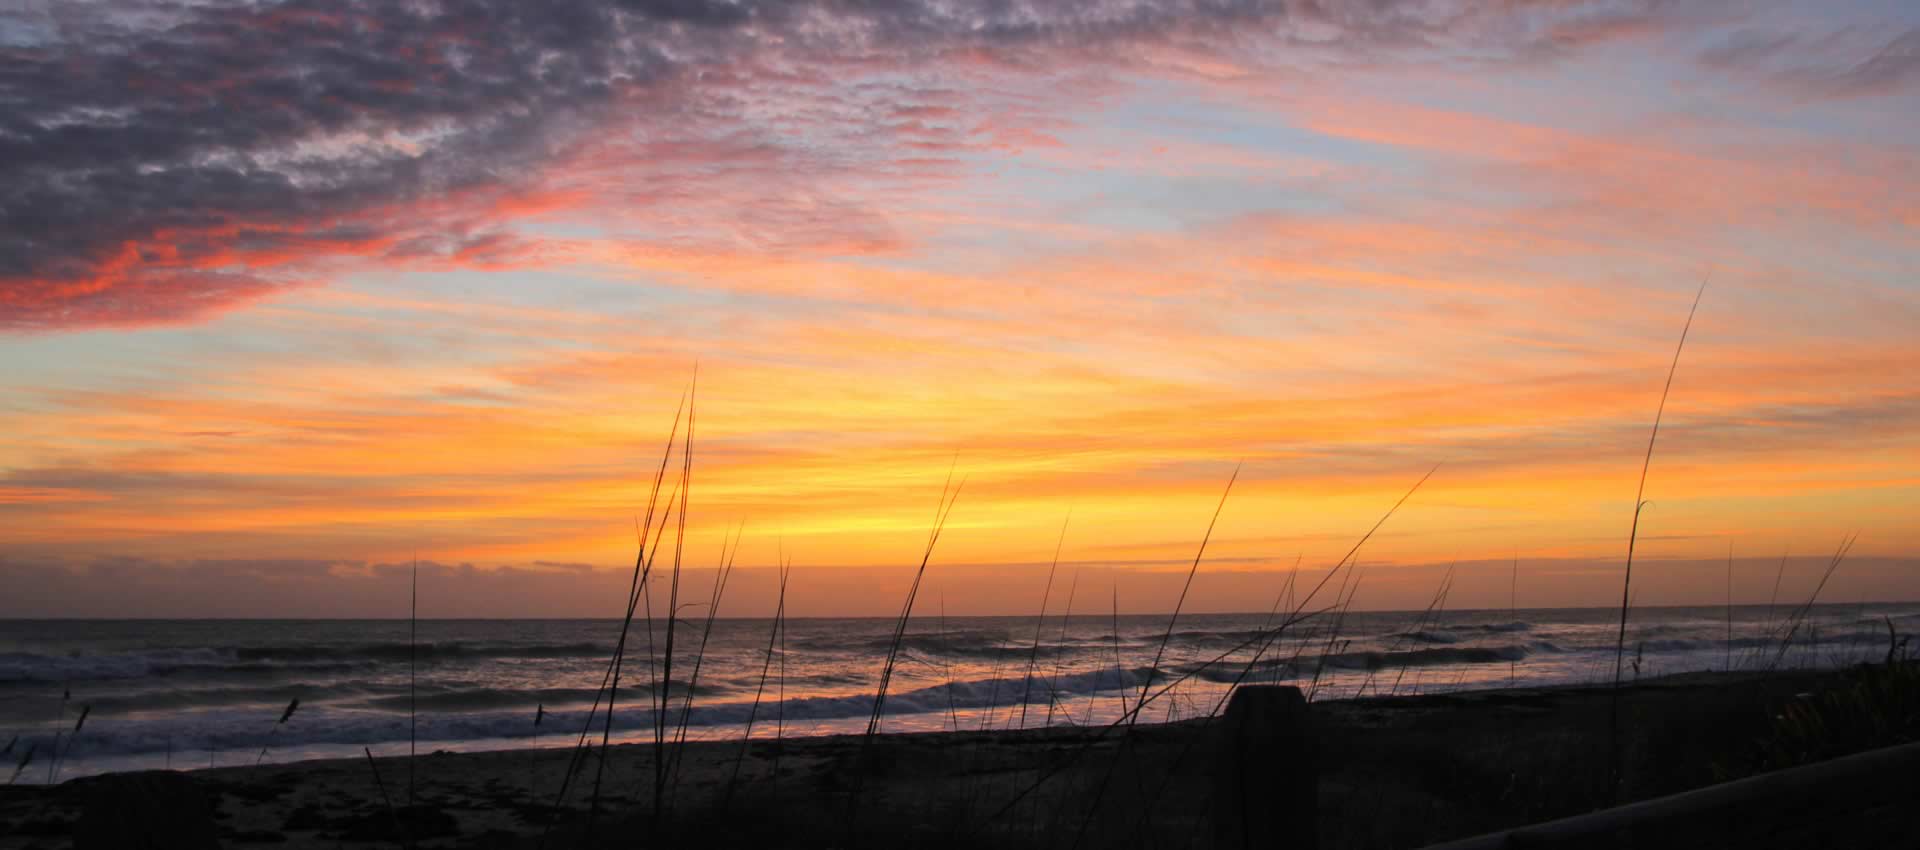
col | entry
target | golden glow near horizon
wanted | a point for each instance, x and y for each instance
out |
(1089, 278)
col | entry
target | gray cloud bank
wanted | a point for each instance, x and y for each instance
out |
(163, 160)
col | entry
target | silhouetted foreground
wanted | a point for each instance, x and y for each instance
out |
(1392, 772)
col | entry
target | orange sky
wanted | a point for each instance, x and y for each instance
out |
(1090, 273)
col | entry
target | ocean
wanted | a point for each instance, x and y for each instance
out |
(185, 694)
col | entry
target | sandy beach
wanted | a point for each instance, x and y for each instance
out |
(1393, 772)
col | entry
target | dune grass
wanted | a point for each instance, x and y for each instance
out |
(1130, 713)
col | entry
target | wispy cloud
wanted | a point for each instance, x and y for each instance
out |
(1847, 62)
(165, 162)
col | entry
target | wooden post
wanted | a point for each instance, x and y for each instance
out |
(1266, 773)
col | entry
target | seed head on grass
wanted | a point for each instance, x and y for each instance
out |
(284, 717)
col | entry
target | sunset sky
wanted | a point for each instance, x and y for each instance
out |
(291, 293)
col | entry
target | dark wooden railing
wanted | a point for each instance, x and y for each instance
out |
(1869, 799)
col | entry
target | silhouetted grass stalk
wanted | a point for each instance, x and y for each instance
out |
(753, 712)
(1728, 664)
(1265, 638)
(533, 756)
(664, 687)
(1513, 614)
(1799, 616)
(26, 759)
(946, 668)
(413, 625)
(949, 494)
(1350, 587)
(645, 532)
(1159, 655)
(699, 657)
(1059, 658)
(1633, 536)
(284, 717)
(59, 717)
(1427, 617)
(1040, 622)
(60, 755)
(399, 831)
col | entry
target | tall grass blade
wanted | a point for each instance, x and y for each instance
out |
(1633, 537)
(645, 532)
(1729, 662)
(1040, 622)
(26, 759)
(753, 712)
(1799, 616)
(413, 626)
(664, 687)
(1298, 615)
(1059, 661)
(699, 657)
(1159, 654)
(393, 818)
(949, 494)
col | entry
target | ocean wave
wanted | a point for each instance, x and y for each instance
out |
(475, 719)
(1497, 628)
(1426, 657)
(394, 651)
(17, 667)
(1233, 637)
(24, 667)
(1803, 637)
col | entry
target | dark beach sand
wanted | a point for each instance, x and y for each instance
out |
(1394, 772)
